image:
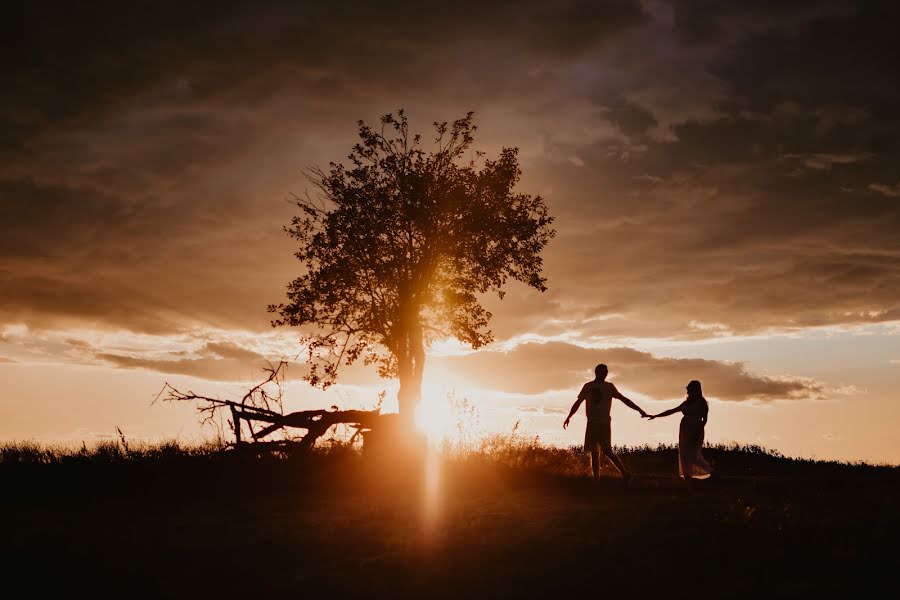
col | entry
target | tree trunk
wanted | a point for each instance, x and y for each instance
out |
(410, 393)
(411, 367)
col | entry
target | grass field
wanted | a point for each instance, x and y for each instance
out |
(509, 519)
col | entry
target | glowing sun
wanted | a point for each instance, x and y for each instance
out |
(434, 415)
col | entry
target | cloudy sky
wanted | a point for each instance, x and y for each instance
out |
(724, 177)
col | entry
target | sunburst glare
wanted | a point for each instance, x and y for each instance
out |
(443, 417)
(434, 416)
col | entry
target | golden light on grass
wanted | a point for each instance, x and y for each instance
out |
(432, 497)
(445, 418)
(434, 417)
(444, 421)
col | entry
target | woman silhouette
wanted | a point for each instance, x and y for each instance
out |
(691, 462)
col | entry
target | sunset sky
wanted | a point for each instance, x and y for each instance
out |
(725, 178)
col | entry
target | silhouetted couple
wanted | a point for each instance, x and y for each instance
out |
(598, 395)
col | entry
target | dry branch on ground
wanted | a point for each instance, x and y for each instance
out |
(261, 409)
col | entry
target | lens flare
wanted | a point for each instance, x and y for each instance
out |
(434, 417)
(432, 496)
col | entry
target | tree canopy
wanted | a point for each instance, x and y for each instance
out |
(398, 247)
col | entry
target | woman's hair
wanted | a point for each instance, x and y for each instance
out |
(694, 388)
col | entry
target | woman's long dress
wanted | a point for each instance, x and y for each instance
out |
(691, 462)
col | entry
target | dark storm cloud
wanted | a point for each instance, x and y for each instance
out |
(214, 369)
(536, 368)
(743, 244)
(891, 191)
(215, 361)
(146, 147)
(716, 166)
(221, 360)
(772, 210)
(74, 61)
(711, 21)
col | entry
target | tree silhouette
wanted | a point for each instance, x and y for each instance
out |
(397, 248)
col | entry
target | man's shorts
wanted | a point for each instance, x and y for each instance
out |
(597, 436)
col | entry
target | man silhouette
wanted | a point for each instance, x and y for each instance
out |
(597, 435)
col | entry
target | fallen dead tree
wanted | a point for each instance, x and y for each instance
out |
(261, 411)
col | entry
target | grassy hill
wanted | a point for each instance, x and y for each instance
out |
(509, 518)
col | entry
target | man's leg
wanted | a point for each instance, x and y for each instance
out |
(595, 464)
(618, 463)
(606, 447)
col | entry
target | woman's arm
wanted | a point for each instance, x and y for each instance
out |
(671, 411)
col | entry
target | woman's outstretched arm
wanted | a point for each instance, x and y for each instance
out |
(671, 411)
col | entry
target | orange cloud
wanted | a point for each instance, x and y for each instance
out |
(536, 368)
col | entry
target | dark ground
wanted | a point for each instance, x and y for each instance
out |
(226, 525)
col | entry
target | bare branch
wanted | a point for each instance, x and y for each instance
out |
(255, 407)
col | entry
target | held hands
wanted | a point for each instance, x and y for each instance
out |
(644, 415)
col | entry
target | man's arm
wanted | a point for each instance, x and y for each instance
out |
(575, 406)
(627, 402)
